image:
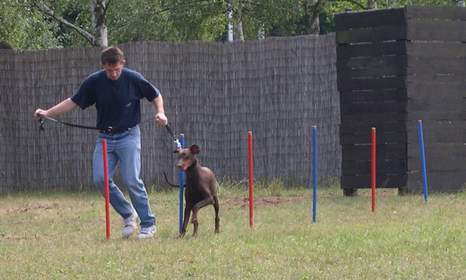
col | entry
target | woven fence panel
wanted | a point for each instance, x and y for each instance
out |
(213, 93)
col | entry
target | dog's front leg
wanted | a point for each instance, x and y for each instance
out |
(196, 208)
(187, 213)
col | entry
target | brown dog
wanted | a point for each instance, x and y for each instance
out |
(201, 187)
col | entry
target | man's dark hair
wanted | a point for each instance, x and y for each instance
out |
(112, 55)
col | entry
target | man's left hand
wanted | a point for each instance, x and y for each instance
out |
(161, 119)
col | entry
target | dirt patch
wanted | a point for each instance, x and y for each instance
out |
(31, 208)
(23, 237)
(242, 202)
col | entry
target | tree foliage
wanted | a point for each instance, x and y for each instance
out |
(26, 27)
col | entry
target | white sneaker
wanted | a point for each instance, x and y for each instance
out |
(129, 225)
(147, 232)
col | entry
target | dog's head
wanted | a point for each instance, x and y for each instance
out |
(187, 156)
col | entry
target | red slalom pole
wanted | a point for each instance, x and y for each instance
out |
(373, 167)
(251, 180)
(106, 192)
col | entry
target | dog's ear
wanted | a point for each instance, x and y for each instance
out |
(194, 149)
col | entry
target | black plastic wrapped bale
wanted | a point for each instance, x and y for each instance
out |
(397, 66)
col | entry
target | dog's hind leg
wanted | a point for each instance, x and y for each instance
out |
(217, 218)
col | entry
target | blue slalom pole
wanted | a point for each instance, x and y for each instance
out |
(314, 174)
(181, 190)
(423, 158)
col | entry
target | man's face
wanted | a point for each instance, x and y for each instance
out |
(113, 71)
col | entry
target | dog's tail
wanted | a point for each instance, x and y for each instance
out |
(168, 182)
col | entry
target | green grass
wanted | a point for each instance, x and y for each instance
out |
(62, 236)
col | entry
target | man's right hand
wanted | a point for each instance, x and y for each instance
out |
(62, 107)
(40, 112)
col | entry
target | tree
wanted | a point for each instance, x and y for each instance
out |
(281, 17)
(371, 4)
(25, 28)
(174, 20)
(30, 24)
(98, 8)
(312, 11)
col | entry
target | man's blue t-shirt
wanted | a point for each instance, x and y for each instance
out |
(117, 102)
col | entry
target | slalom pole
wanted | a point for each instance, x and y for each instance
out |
(423, 159)
(314, 174)
(373, 168)
(106, 191)
(181, 189)
(251, 180)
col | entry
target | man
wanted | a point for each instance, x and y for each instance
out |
(116, 92)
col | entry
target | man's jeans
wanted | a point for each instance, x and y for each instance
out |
(124, 149)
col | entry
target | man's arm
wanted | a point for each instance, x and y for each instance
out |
(160, 117)
(62, 107)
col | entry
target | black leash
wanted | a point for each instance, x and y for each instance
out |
(170, 183)
(169, 130)
(42, 123)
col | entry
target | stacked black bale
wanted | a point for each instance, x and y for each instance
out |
(436, 84)
(395, 67)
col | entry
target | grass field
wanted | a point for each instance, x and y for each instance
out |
(62, 236)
